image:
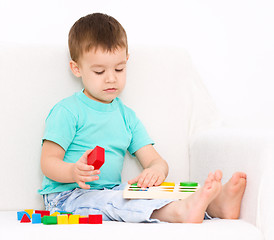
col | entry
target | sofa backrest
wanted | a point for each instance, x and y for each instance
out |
(162, 87)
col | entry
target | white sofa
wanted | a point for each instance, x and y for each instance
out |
(188, 131)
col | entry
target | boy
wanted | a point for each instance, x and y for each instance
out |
(95, 116)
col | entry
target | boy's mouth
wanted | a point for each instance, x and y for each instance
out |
(110, 90)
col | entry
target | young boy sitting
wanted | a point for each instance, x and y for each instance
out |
(96, 116)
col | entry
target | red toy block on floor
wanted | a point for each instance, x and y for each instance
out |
(95, 219)
(83, 220)
(43, 213)
(97, 157)
(25, 219)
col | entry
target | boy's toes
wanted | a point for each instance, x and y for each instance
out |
(210, 177)
(218, 175)
(209, 180)
(238, 177)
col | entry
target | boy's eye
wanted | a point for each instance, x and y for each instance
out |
(99, 73)
(119, 70)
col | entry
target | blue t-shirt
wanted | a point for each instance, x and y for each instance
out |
(78, 123)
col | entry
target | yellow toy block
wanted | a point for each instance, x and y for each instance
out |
(55, 214)
(62, 219)
(167, 184)
(29, 211)
(74, 219)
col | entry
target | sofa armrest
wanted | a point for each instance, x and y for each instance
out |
(265, 212)
(231, 150)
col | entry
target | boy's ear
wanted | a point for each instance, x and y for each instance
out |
(74, 68)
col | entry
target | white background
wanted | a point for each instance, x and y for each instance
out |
(231, 42)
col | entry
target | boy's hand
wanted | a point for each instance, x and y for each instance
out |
(151, 176)
(82, 172)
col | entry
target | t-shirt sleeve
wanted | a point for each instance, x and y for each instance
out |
(140, 136)
(60, 126)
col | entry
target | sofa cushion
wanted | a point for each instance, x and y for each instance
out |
(215, 229)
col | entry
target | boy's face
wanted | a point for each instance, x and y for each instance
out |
(103, 73)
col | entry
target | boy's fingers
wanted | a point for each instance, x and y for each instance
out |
(85, 156)
(84, 167)
(88, 152)
(83, 180)
(149, 181)
(153, 181)
(89, 179)
(89, 173)
(95, 172)
(158, 181)
(83, 185)
(134, 180)
(141, 181)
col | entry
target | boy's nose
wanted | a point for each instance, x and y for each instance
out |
(111, 78)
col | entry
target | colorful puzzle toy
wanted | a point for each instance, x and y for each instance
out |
(167, 190)
(41, 216)
(97, 157)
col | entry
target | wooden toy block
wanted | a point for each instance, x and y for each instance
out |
(95, 219)
(73, 219)
(25, 219)
(49, 220)
(21, 214)
(97, 157)
(29, 211)
(65, 213)
(164, 191)
(83, 220)
(43, 212)
(167, 184)
(62, 219)
(55, 214)
(36, 218)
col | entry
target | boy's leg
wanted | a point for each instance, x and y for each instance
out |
(192, 209)
(109, 203)
(228, 203)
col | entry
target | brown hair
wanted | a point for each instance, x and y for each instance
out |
(93, 31)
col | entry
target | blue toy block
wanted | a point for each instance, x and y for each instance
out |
(21, 214)
(36, 218)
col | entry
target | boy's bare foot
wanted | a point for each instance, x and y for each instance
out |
(228, 203)
(191, 209)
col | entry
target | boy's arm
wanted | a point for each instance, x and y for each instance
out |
(155, 168)
(55, 168)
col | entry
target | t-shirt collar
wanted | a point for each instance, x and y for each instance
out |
(98, 106)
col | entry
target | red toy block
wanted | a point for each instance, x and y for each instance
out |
(95, 219)
(83, 220)
(25, 219)
(97, 157)
(43, 213)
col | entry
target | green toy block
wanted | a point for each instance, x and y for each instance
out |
(65, 213)
(49, 220)
(188, 184)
